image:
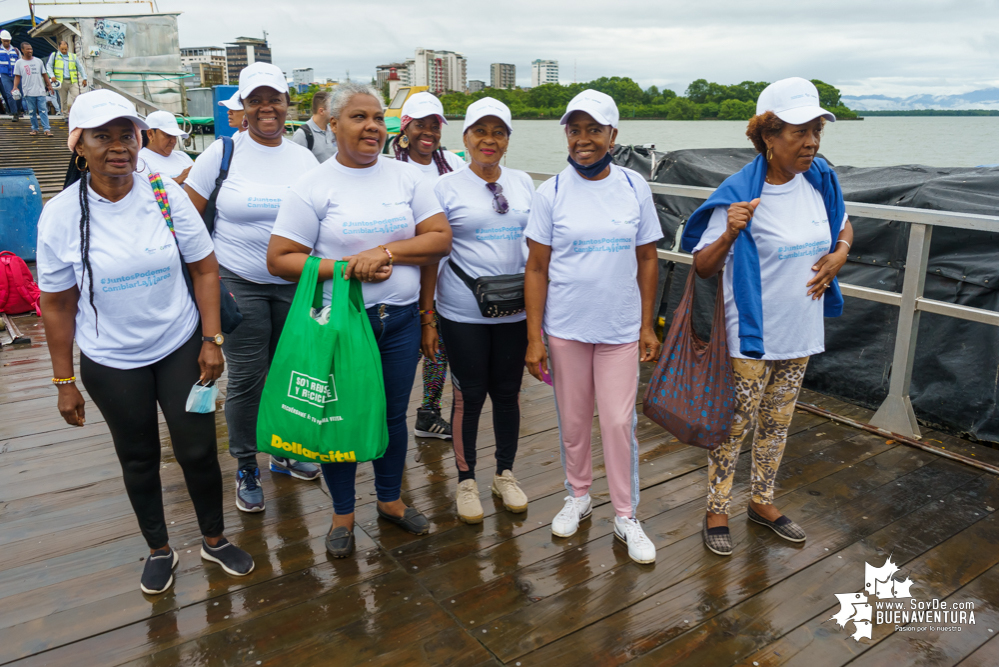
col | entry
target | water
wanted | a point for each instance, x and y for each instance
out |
(942, 141)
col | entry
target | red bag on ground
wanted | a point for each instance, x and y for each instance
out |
(19, 292)
(692, 391)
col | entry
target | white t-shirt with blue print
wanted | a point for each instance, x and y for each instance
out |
(593, 228)
(791, 230)
(486, 243)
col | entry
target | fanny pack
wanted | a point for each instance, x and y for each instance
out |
(497, 296)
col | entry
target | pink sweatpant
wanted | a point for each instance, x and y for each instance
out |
(581, 373)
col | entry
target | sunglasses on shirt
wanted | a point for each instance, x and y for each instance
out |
(500, 204)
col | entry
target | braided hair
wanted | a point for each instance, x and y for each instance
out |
(402, 153)
(85, 242)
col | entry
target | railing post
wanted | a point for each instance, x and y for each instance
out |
(896, 414)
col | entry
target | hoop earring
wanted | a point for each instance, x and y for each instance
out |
(137, 169)
(245, 124)
(770, 154)
(77, 161)
(404, 141)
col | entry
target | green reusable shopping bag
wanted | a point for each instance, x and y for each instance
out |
(324, 399)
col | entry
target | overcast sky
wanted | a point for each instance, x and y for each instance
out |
(862, 46)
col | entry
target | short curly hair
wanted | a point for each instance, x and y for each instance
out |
(766, 124)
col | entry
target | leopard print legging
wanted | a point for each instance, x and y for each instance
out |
(767, 390)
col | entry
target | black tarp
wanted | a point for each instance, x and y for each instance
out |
(956, 375)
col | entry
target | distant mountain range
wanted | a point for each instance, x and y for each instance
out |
(987, 98)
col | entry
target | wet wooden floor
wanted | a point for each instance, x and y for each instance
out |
(500, 593)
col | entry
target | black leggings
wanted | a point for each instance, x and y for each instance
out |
(127, 399)
(485, 359)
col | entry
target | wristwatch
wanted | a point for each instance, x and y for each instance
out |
(218, 339)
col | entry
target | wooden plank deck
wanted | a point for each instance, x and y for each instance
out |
(499, 593)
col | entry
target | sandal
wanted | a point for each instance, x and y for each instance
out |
(32, 134)
(49, 134)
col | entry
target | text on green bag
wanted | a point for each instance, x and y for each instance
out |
(295, 448)
(311, 390)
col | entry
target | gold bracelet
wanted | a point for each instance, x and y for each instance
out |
(70, 380)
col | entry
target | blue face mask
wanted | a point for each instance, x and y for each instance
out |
(591, 170)
(202, 398)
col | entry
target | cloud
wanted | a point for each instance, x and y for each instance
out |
(889, 47)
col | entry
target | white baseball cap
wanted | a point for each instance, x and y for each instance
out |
(4, 34)
(99, 107)
(794, 100)
(422, 105)
(261, 74)
(487, 106)
(600, 106)
(165, 121)
(233, 103)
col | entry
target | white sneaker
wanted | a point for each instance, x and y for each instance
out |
(505, 486)
(640, 548)
(566, 522)
(469, 507)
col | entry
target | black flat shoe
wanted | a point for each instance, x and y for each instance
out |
(783, 526)
(340, 542)
(412, 521)
(157, 574)
(718, 539)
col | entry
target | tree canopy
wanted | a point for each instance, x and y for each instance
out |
(702, 99)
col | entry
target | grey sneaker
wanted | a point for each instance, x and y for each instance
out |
(430, 424)
(249, 495)
(157, 574)
(783, 526)
(297, 469)
(233, 560)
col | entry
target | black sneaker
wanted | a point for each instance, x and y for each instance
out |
(430, 424)
(233, 560)
(157, 575)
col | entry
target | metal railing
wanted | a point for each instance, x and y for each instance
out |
(895, 413)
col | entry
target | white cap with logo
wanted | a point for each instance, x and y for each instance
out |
(261, 74)
(4, 35)
(164, 121)
(487, 106)
(100, 107)
(422, 105)
(600, 106)
(794, 100)
(233, 103)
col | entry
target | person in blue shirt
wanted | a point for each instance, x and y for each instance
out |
(8, 56)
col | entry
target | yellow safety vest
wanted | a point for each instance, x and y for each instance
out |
(57, 67)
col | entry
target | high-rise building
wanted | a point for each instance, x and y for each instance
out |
(544, 71)
(441, 71)
(302, 78)
(474, 85)
(245, 51)
(213, 56)
(503, 75)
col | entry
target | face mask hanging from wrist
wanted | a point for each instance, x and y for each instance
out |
(202, 397)
(591, 170)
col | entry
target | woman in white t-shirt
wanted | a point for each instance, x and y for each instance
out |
(592, 233)
(264, 164)
(382, 215)
(111, 279)
(789, 203)
(158, 155)
(419, 144)
(487, 207)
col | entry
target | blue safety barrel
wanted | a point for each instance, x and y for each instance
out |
(221, 94)
(20, 208)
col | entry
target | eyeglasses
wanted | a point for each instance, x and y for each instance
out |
(500, 204)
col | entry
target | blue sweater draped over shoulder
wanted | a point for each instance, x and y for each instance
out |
(744, 186)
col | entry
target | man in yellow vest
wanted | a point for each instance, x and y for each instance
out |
(67, 69)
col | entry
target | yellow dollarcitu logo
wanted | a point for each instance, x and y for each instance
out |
(296, 448)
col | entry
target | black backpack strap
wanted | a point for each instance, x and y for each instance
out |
(210, 208)
(465, 278)
(310, 139)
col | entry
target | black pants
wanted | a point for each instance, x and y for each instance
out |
(486, 359)
(127, 399)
